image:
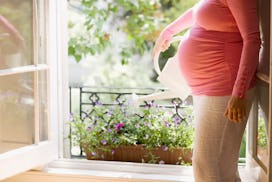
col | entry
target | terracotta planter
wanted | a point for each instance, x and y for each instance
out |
(137, 153)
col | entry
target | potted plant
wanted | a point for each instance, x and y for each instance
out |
(151, 134)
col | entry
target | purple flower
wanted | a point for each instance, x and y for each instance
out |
(137, 125)
(118, 126)
(110, 112)
(104, 142)
(109, 130)
(150, 104)
(85, 116)
(71, 119)
(112, 152)
(112, 139)
(98, 103)
(166, 124)
(93, 153)
(178, 121)
(164, 148)
(89, 128)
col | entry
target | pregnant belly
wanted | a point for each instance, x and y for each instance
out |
(208, 66)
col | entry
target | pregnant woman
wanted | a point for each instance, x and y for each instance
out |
(218, 59)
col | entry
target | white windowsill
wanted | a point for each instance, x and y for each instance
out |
(121, 170)
(85, 170)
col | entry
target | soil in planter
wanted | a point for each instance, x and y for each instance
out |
(140, 154)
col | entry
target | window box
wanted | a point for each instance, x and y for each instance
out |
(138, 153)
(150, 135)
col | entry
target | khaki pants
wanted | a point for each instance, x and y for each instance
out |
(217, 140)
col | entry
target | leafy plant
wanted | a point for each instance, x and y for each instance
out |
(140, 20)
(153, 127)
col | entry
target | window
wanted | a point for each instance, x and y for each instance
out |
(32, 88)
(28, 84)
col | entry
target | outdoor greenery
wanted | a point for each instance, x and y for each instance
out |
(152, 126)
(262, 136)
(140, 20)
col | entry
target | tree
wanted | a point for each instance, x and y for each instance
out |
(140, 20)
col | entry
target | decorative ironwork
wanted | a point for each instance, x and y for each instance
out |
(83, 100)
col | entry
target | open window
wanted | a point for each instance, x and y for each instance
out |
(29, 76)
(260, 119)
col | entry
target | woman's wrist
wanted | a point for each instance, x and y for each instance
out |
(166, 34)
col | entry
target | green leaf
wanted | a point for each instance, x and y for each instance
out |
(78, 57)
(71, 50)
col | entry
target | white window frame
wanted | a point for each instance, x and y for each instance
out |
(40, 153)
(33, 155)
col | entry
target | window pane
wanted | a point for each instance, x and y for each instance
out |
(43, 105)
(16, 33)
(42, 41)
(16, 111)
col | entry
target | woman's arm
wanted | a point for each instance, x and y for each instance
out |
(14, 33)
(184, 21)
(245, 14)
(7, 26)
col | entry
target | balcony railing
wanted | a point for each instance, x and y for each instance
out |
(83, 100)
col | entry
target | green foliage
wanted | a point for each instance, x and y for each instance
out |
(243, 147)
(152, 127)
(262, 136)
(140, 20)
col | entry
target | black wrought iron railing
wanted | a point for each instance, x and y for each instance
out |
(84, 99)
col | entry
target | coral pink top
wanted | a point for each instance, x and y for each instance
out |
(220, 54)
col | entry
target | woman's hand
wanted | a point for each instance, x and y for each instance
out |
(236, 109)
(161, 45)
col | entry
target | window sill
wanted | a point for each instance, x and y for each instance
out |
(108, 171)
(120, 170)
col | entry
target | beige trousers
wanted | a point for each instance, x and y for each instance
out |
(217, 140)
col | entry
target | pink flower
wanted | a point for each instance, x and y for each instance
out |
(118, 126)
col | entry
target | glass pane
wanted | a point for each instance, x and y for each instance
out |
(262, 150)
(42, 41)
(16, 33)
(262, 139)
(43, 105)
(16, 111)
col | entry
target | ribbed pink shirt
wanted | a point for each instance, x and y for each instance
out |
(220, 54)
